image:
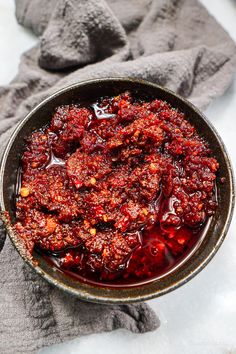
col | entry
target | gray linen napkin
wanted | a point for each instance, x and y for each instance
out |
(174, 43)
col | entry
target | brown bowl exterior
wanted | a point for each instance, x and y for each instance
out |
(91, 90)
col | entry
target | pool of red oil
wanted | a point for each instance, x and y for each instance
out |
(160, 253)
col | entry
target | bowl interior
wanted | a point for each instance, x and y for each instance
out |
(90, 91)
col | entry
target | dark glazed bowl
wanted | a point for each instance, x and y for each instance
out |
(90, 90)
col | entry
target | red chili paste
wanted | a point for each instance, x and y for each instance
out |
(116, 191)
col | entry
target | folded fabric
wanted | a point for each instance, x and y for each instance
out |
(174, 43)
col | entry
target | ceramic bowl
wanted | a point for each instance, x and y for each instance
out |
(91, 90)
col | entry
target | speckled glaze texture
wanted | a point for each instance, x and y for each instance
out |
(94, 89)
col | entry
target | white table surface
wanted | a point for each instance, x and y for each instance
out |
(199, 317)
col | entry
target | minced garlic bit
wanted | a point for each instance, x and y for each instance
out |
(86, 223)
(24, 192)
(145, 211)
(153, 167)
(51, 225)
(104, 218)
(93, 232)
(137, 133)
(93, 180)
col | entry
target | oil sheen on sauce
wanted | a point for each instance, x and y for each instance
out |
(161, 248)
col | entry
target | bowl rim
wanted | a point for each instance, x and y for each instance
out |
(104, 299)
